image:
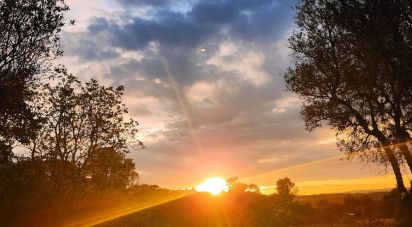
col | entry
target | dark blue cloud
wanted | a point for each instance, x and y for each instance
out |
(263, 23)
(99, 24)
(85, 48)
(227, 11)
(249, 20)
(180, 63)
(171, 29)
(214, 12)
(144, 2)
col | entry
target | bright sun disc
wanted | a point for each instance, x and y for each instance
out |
(214, 185)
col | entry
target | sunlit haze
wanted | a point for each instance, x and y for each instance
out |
(214, 185)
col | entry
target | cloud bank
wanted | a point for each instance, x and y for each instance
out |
(205, 80)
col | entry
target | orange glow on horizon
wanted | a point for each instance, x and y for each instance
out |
(348, 185)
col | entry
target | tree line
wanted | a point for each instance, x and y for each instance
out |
(61, 140)
(243, 207)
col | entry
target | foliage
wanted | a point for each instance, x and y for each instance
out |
(248, 209)
(29, 40)
(235, 186)
(74, 135)
(203, 209)
(352, 70)
(286, 189)
(80, 150)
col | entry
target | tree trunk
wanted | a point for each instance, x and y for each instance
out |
(404, 137)
(396, 170)
(392, 160)
(407, 155)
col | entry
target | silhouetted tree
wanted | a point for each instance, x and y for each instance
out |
(232, 182)
(253, 188)
(283, 202)
(381, 39)
(29, 40)
(108, 169)
(235, 185)
(85, 128)
(352, 70)
(286, 189)
(81, 147)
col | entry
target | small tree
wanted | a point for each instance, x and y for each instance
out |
(232, 182)
(286, 189)
(253, 188)
(235, 185)
(283, 202)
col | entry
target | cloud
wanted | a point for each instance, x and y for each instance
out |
(229, 19)
(85, 48)
(244, 19)
(144, 2)
(169, 28)
(204, 82)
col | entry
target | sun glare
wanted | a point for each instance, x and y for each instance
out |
(214, 186)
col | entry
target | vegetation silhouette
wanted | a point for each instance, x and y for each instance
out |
(235, 186)
(283, 208)
(352, 70)
(80, 151)
(73, 135)
(29, 41)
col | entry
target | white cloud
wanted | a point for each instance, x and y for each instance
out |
(246, 61)
(283, 104)
(201, 93)
(268, 160)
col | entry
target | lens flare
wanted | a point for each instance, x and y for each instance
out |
(214, 186)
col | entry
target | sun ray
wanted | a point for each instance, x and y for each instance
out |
(117, 213)
(179, 99)
(308, 165)
(294, 167)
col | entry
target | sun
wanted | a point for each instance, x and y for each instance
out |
(214, 186)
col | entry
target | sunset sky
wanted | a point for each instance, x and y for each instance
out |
(204, 78)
